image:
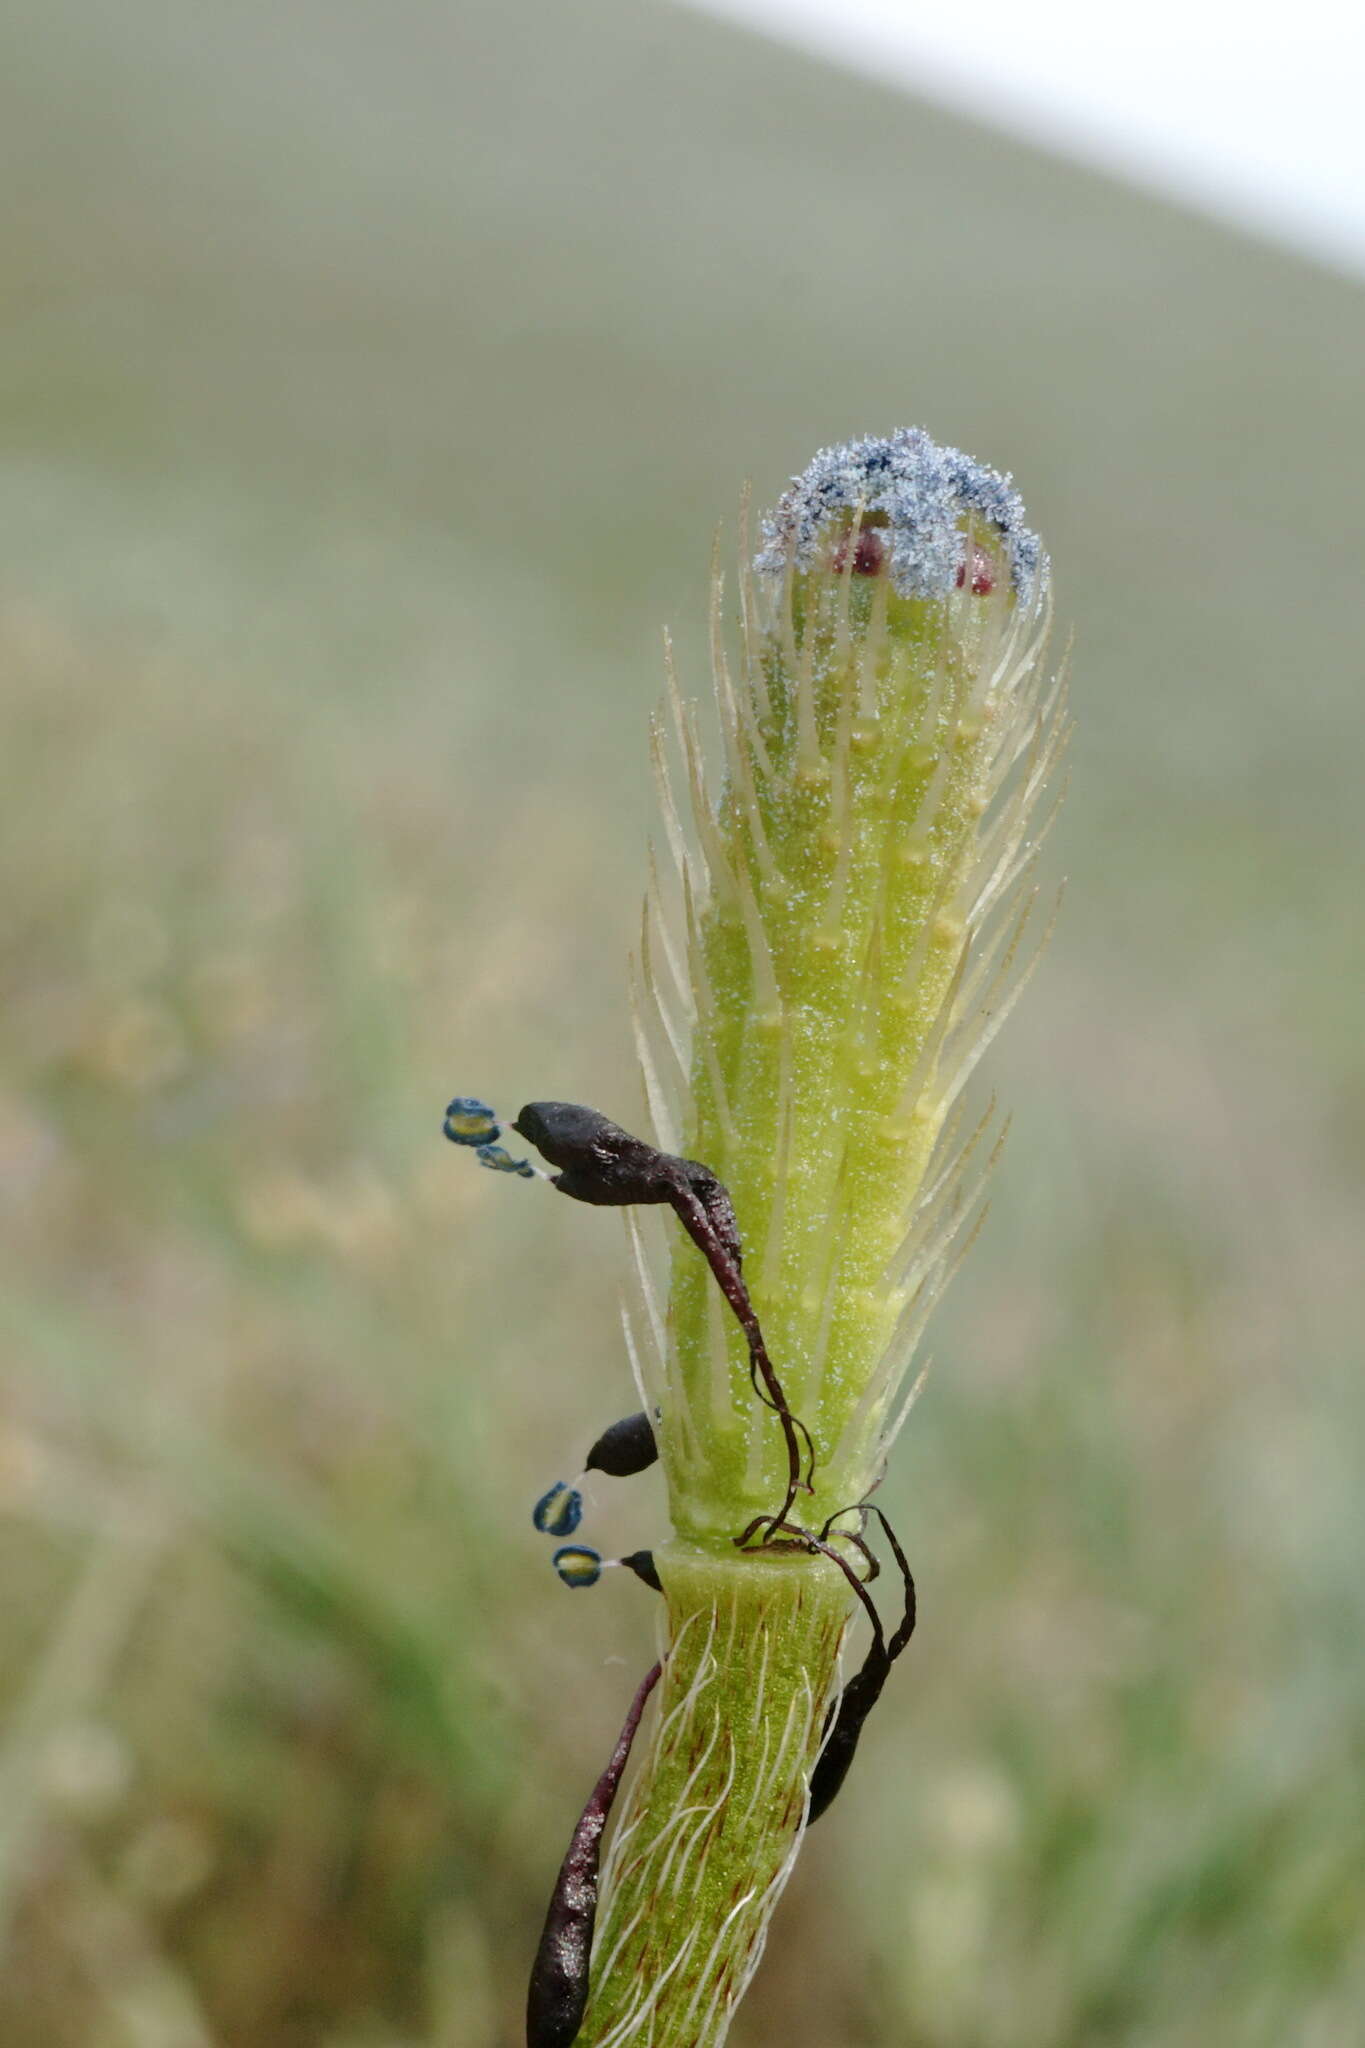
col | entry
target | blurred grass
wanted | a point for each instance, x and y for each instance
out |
(372, 381)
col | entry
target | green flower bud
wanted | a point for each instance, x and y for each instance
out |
(852, 925)
(846, 929)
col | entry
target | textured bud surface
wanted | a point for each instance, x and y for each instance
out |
(845, 936)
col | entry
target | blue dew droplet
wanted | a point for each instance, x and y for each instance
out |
(470, 1122)
(578, 1565)
(558, 1512)
(500, 1161)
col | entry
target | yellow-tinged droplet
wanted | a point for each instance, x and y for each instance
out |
(949, 929)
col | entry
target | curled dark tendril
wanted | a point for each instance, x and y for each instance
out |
(600, 1163)
(864, 1689)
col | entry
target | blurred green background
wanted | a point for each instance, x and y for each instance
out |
(373, 378)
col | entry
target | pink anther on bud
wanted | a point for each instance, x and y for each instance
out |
(983, 573)
(869, 552)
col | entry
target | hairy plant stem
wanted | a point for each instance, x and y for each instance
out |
(713, 1820)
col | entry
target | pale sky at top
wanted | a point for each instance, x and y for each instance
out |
(1254, 114)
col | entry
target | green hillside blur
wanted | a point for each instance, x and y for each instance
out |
(373, 380)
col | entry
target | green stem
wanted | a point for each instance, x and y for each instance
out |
(712, 1823)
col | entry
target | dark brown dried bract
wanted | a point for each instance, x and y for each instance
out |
(557, 1997)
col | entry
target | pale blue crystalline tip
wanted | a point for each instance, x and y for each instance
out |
(922, 495)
